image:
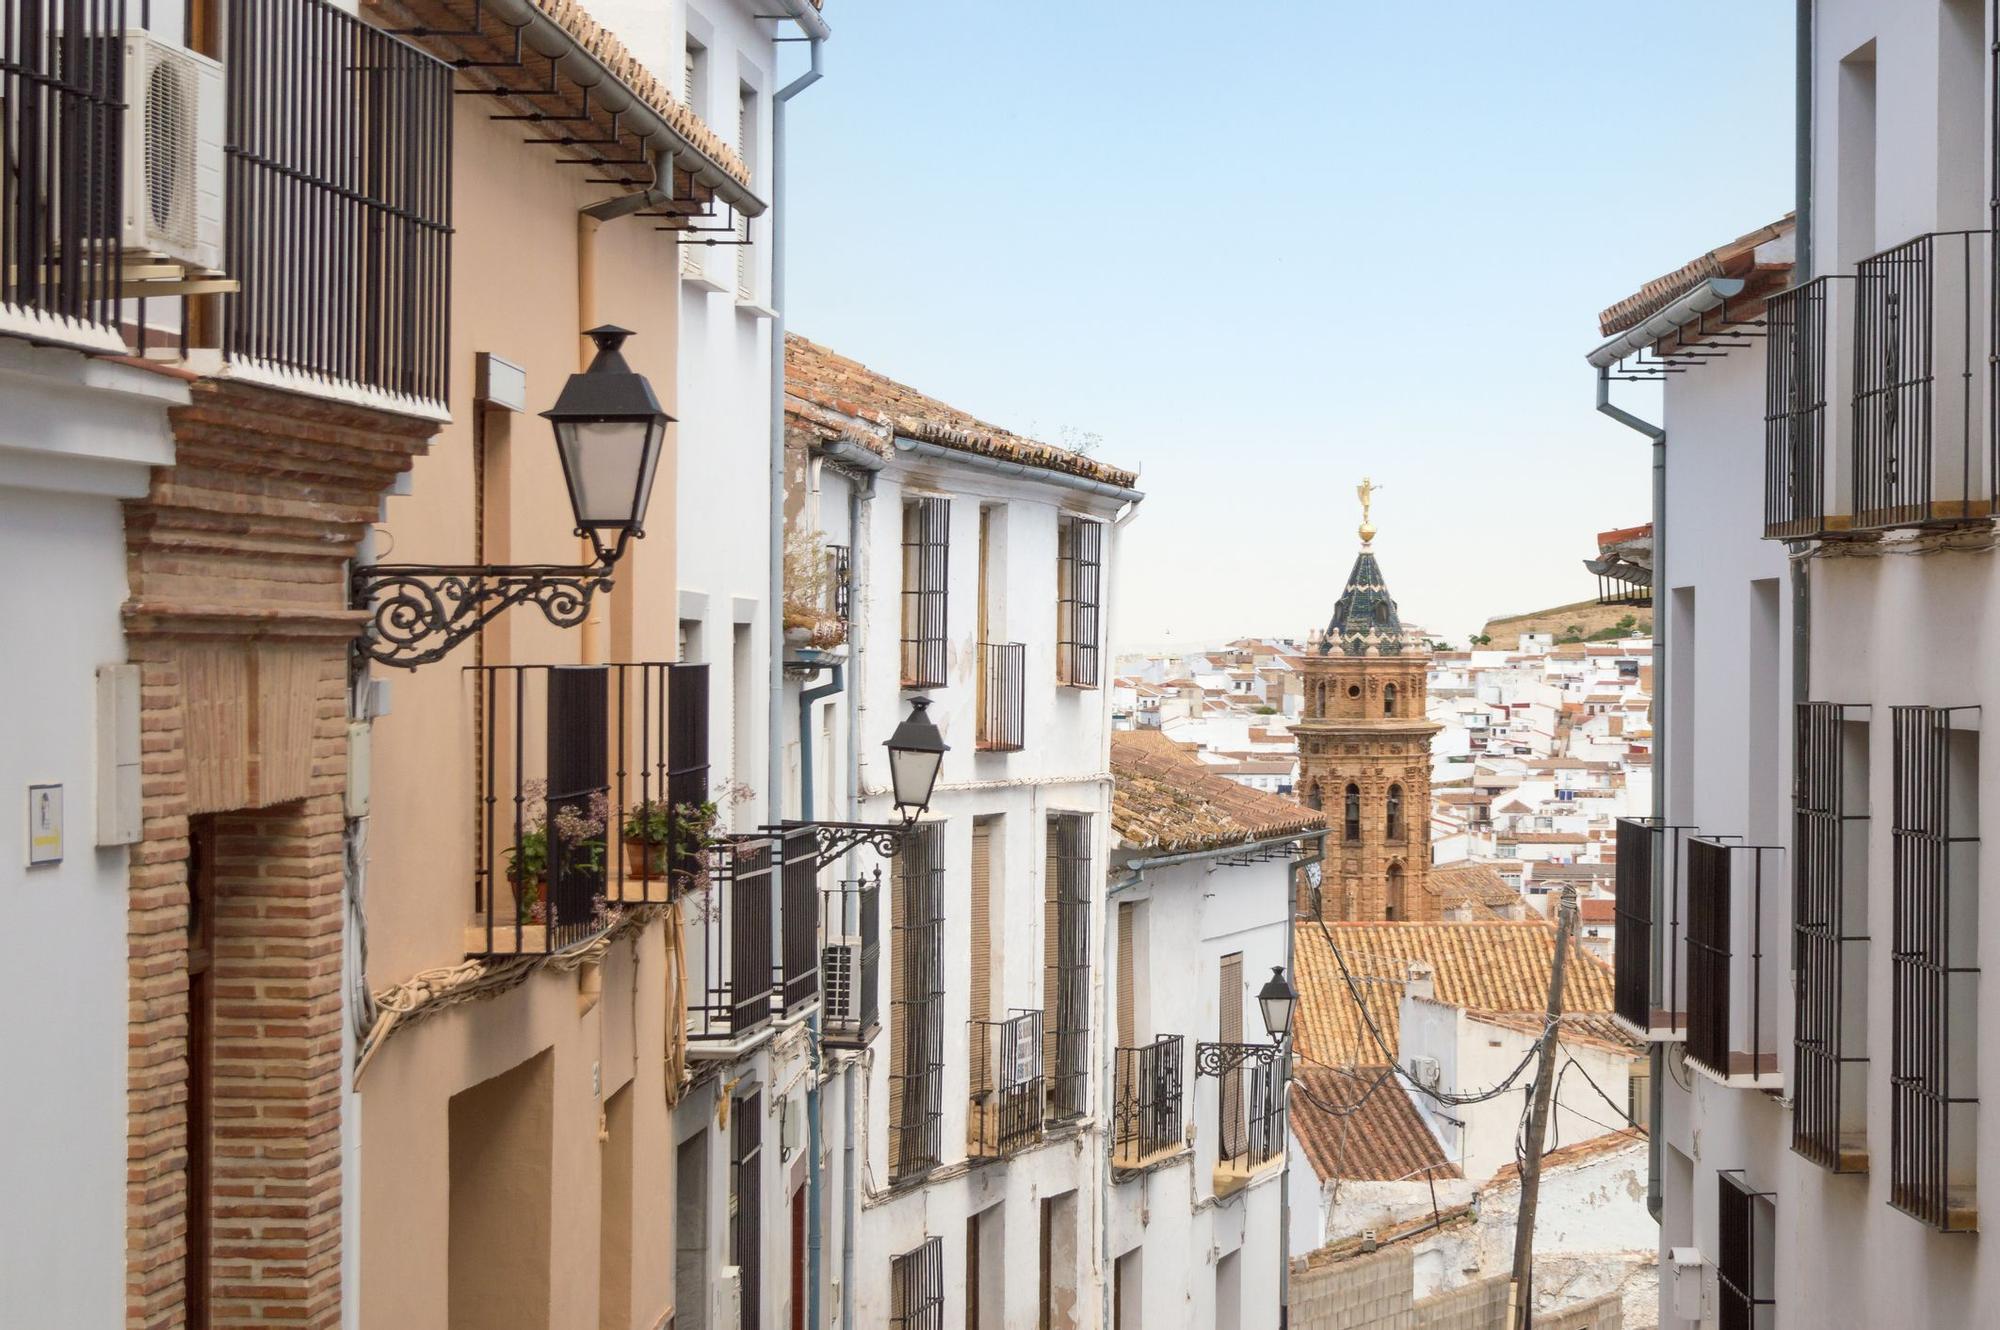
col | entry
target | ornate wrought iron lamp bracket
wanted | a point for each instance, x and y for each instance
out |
(837, 838)
(1221, 1059)
(418, 612)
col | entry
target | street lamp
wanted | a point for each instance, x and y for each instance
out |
(916, 750)
(609, 431)
(1277, 1000)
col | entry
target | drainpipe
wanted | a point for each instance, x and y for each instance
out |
(860, 489)
(1297, 876)
(1802, 271)
(808, 696)
(809, 20)
(1656, 1059)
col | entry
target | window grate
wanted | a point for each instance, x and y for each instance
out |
(1795, 411)
(1633, 987)
(1744, 1291)
(798, 919)
(926, 556)
(1079, 583)
(746, 1238)
(1933, 961)
(840, 582)
(916, 1284)
(1005, 1085)
(1729, 1015)
(1146, 1110)
(1003, 696)
(1830, 937)
(734, 928)
(1066, 974)
(916, 1008)
(1251, 1099)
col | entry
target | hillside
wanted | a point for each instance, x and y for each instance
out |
(1587, 614)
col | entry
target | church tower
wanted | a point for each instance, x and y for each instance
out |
(1365, 753)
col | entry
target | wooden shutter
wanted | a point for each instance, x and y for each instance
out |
(690, 254)
(903, 885)
(1052, 954)
(926, 546)
(745, 150)
(1230, 1031)
(1128, 1033)
(981, 910)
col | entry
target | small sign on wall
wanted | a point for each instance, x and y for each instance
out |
(45, 825)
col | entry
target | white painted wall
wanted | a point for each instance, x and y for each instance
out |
(76, 438)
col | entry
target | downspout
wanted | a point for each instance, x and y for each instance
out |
(1656, 1056)
(809, 20)
(1802, 271)
(1299, 868)
(808, 696)
(859, 490)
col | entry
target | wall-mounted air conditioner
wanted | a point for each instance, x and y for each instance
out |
(1425, 1072)
(840, 986)
(172, 153)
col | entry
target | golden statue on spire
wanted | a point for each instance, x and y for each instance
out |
(1366, 490)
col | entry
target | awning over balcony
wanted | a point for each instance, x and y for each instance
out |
(1624, 566)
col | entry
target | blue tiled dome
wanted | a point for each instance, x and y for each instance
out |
(1364, 622)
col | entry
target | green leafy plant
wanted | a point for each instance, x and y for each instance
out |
(686, 830)
(578, 828)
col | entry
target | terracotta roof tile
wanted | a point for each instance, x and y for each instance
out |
(1164, 798)
(1735, 259)
(1358, 1125)
(1582, 1152)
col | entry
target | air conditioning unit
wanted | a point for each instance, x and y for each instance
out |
(1425, 1072)
(840, 986)
(173, 153)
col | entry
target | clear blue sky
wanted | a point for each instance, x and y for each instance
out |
(1264, 248)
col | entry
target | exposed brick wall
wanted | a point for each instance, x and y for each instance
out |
(1367, 1293)
(1480, 1305)
(237, 618)
(1601, 1313)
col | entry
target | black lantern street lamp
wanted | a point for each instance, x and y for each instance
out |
(916, 751)
(609, 432)
(1276, 999)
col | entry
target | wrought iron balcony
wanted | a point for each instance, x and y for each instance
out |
(1249, 1103)
(1732, 983)
(1003, 684)
(851, 962)
(731, 992)
(1920, 409)
(593, 781)
(1795, 414)
(1004, 1086)
(1146, 1121)
(1649, 966)
(1746, 1238)
(840, 582)
(798, 920)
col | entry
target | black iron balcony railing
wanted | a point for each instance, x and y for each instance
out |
(916, 1006)
(1731, 1017)
(1795, 415)
(62, 110)
(1003, 684)
(1004, 1085)
(1650, 981)
(1632, 985)
(1917, 404)
(798, 920)
(851, 962)
(840, 582)
(576, 764)
(926, 560)
(729, 966)
(1934, 967)
(1744, 1224)
(1830, 931)
(1146, 1121)
(1066, 970)
(1250, 1130)
(338, 210)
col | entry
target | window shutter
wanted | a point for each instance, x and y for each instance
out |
(1128, 1035)
(1052, 955)
(900, 988)
(926, 537)
(745, 269)
(1231, 1032)
(981, 907)
(1079, 543)
(690, 254)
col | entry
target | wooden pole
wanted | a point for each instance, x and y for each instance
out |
(1538, 1124)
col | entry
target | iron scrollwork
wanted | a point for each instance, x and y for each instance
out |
(837, 838)
(1221, 1059)
(418, 612)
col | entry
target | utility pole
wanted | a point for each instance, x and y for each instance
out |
(1538, 1124)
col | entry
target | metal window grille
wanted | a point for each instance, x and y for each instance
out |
(746, 1130)
(1005, 1085)
(1003, 696)
(1146, 1109)
(734, 927)
(1633, 984)
(687, 774)
(339, 199)
(613, 740)
(1729, 1016)
(1079, 597)
(850, 961)
(840, 582)
(1795, 411)
(1933, 961)
(926, 553)
(62, 105)
(916, 1288)
(916, 1064)
(798, 920)
(1247, 1138)
(1745, 1293)
(1066, 980)
(1830, 932)
(1915, 399)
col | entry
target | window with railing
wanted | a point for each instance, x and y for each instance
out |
(1830, 932)
(1918, 405)
(798, 920)
(916, 1288)
(1650, 975)
(746, 1185)
(1146, 1123)
(580, 768)
(850, 962)
(62, 108)
(1746, 1236)
(1632, 985)
(916, 1004)
(338, 222)
(729, 943)
(840, 582)
(1934, 964)
(1003, 692)
(1795, 416)
(926, 559)
(1005, 1086)
(1066, 964)
(1250, 1132)
(1079, 583)
(1732, 993)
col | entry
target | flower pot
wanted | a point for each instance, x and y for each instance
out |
(531, 901)
(646, 859)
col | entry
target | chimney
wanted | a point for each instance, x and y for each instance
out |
(1419, 982)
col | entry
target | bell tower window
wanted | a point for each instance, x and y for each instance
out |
(1395, 819)
(1352, 814)
(1388, 699)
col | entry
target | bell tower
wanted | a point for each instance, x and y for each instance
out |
(1365, 752)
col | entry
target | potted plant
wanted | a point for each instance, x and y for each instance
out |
(579, 829)
(810, 621)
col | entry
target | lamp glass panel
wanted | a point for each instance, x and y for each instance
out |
(914, 772)
(610, 465)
